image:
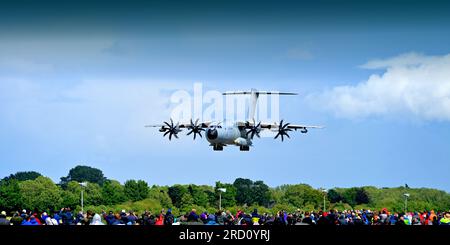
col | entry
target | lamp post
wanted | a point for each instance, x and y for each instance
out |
(324, 195)
(82, 184)
(220, 196)
(406, 201)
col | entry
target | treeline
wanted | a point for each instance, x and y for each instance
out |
(32, 191)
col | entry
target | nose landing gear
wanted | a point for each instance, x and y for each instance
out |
(218, 148)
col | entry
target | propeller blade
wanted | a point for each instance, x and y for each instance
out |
(170, 130)
(195, 128)
(282, 130)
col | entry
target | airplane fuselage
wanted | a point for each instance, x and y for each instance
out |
(228, 135)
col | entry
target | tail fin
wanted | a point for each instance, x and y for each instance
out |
(254, 98)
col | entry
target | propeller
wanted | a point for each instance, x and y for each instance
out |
(282, 130)
(195, 128)
(253, 130)
(171, 130)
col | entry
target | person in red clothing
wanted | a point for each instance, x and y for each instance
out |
(160, 220)
(37, 219)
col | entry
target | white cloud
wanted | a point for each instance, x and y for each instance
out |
(412, 85)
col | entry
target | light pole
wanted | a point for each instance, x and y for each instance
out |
(220, 197)
(324, 195)
(406, 201)
(82, 184)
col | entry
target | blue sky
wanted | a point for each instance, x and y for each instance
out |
(76, 87)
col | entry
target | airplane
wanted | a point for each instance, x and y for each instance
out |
(238, 133)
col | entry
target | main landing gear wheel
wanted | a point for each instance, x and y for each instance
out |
(244, 148)
(218, 148)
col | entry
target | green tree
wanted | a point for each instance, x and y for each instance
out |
(200, 194)
(334, 196)
(244, 192)
(176, 193)
(113, 192)
(71, 196)
(355, 196)
(70, 199)
(349, 196)
(22, 176)
(40, 194)
(92, 194)
(136, 190)
(84, 174)
(187, 202)
(261, 193)
(361, 196)
(160, 194)
(10, 198)
(228, 197)
(302, 195)
(249, 192)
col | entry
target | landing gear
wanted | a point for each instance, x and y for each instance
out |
(244, 148)
(218, 148)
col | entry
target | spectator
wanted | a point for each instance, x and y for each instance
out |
(169, 218)
(16, 219)
(131, 218)
(3, 220)
(96, 220)
(160, 220)
(30, 220)
(66, 216)
(211, 220)
(117, 220)
(446, 219)
(110, 218)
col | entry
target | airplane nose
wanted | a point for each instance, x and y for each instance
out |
(212, 134)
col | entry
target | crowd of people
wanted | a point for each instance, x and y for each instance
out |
(66, 216)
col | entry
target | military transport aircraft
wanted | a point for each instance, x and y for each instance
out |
(238, 133)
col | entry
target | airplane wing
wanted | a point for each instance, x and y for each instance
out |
(297, 126)
(205, 124)
(275, 126)
(290, 126)
(282, 129)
